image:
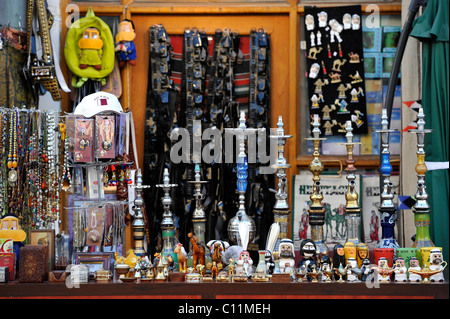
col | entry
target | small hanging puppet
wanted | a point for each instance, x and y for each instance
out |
(91, 49)
(124, 43)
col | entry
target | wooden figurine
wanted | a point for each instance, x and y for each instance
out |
(181, 256)
(125, 45)
(436, 263)
(400, 271)
(198, 254)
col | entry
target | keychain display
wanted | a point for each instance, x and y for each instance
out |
(334, 57)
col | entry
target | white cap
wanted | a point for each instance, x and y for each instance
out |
(98, 102)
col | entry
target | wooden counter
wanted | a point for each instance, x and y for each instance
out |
(184, 291)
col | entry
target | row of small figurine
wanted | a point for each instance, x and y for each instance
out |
(234, 264)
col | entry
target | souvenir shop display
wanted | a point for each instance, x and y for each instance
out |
(335, 64)
(75, 206)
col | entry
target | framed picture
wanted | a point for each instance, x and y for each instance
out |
(95, 260)
(44, 237)
(371, 39)
(372, 65)
(391, 35)
(388, 63)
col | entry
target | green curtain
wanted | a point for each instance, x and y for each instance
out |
(432, 29)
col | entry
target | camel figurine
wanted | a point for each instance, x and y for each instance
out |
(214, 270)
(335, 77)
(356, 78)
(181, 254)
(337, 64)
(313, 52)
(319, 84)
(354, 57)
(198, 255)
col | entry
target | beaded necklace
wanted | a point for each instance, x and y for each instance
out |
(12, 156)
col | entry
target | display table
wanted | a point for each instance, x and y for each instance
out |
(181, 290)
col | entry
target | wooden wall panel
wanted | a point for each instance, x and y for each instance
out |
(276, 25)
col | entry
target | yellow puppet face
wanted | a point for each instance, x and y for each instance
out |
(10, 228)
(126, 32)
(90, 39)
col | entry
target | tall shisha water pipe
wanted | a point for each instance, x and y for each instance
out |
(316, 210)
(242, 165)
(281, 209)
(167, 224)
(352, 209)
(421, 209)
(387, 208)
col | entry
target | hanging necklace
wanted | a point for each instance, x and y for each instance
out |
(107, 140)
(12, 157)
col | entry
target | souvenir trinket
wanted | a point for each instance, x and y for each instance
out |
(426, 273)
(322, 17)
(319, 38)
(356, 21)
(347, 21)
(313, 53)
(105, 136)
(260, 274)
(314, 101)
(325, 269)
(102, 275)
(340, 272)
(272, 239)
(326, 110)
(301, 273)
(383, 270)
(314, 274)
(354, 57)
(436, 264)
(181, 256)
(335, 77)
(161, 270)
(198, 251)
(352, 209)
(192, 277)
(287, 255)
(338, 258)
(353, 272)
(400, 271)
(309, 22)
(336, 29)
(316, 209)
(328, 126)
(4, 274)
(366, 270)
(314, 70)
(357, 79)
(217, 248)
(362, 253)
(319, 84)
(312, 37)
(421, 208)
(357, 118)
(349, 251)
(337, 64)
(342, 89)
(413, 269)
(84, 137)
(124, 43)
(244, 263)
(308, 253)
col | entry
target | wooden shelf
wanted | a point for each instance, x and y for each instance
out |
(181, 290)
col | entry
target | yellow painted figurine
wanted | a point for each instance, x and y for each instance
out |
(349, 251)
(10, 228)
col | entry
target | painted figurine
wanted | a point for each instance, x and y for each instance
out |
(362, 253)
(91, 49)
(326, 268)
(338, 257)
(309, 22)
(352, 270)
(287, 255)
(336, 29)
(349, 251)
(244, 264)
(125, 45)
(414, 265)
(314, 70)
(323, 17)
(347, 21)
(217, 248)
(400, 271)
(436, 263)
(366, 270)
(308, 252)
